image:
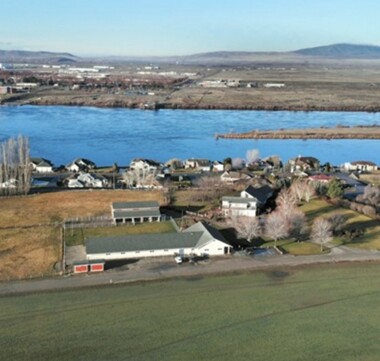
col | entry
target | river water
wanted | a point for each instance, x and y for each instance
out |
(106, 136)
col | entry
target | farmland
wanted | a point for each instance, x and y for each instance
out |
(320, 313)
(30, 234)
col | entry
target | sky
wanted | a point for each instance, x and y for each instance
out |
(180, 27)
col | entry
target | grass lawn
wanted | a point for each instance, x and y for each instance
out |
(369, 240)
(321, 313)
(77, 236)
(320, 208)
(33, 251)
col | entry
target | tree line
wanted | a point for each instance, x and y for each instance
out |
(15, 167)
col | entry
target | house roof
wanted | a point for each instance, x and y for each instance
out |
(41, 162)
(262, 194)
(208, 233)
(134, 205)
(142, 242)
(148, 161)
(364, 162)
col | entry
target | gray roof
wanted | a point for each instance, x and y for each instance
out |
(208, 233)
(195, 236)
(137, 214)
(142, 242)
(41, 162)
(134, 205)
(262, 194)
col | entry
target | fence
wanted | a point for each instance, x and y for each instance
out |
(88, 222)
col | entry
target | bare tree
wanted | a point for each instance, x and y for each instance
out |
(286, 201)
(252, 156)
(302, 190)
(370, 196)
(209, 188)
(321, 232)
(247, 227)
(15, 168)
(276, 226)
(337, 222)
(297, 224)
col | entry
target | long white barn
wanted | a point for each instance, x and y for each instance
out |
(199, 239)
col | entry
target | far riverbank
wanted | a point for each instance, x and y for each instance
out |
(339, 132)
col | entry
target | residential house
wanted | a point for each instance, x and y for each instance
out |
(199, 239)
(74, 183)
(261, 194)
(217, 166)
(144, 166)
(81, 164)
(41, 165)
(360, 166)
(233, 177)
(238, 206)
(320, 178)
(203, 165)
(92, 180)
(304, 164)
(135, 212)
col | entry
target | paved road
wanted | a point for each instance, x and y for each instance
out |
(154, 269)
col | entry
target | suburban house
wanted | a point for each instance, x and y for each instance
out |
(135, 212)
(238, 206)
(217, 166)
(233, 177)
(203, 165)
(41, 165)
(304, 164)
(360, 166)
(81, 164)
(200, 239)
(92, 180)
(144, 166)
(247, 205)
(261, 194)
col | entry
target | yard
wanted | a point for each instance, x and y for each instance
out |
(77, 236)
(320, 208)
(30, 244)
(321, 313)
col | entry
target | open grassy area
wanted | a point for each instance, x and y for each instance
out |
(77, 236)
(369, 240)
(33, 251)
(322, 313)
(320, 208)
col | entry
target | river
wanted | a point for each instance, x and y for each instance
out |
(106, 136)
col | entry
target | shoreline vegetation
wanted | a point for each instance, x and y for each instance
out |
(128, 104)
(338, 132)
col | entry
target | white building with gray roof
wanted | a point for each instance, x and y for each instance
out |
(199, 239)
(135, 212)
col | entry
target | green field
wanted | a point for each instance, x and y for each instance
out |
(320, 313)
(77, 236)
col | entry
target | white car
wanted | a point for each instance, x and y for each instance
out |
(178, 259)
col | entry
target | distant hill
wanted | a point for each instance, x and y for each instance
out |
(343, 51)
(22, 56)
